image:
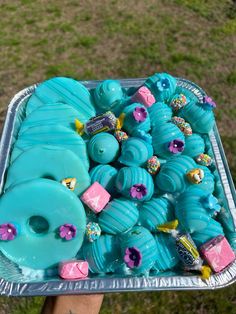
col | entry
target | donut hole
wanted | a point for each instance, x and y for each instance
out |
(49, 177)
(38, 224)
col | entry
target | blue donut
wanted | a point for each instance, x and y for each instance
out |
(47, 162)
(37, 209)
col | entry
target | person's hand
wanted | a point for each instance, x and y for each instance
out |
(73, 304)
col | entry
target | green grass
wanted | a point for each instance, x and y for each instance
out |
(117, 38)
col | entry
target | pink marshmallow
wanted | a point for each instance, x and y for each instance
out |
(144, 96)
(73, 269)
(218, 253)
(96, 197)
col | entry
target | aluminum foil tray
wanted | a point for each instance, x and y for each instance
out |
(13, 283)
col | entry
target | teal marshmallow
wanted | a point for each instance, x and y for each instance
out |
(130, 124)
(63, 89)
(162, 135)
(155, 212)
(52, 162)
(104, 175)
(172, 175)
(103, 148)
(51, 114)
(129, 176)
(54, 135)
(213, 229)
(162, 85)
(192, 211)
(102, 255)
(135, 152)
(143, 240)
(118, 216)
(38, 208)
(194, 145)
(159, 113)
(108, 96)
(167, 256)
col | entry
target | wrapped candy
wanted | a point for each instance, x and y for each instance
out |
(186, 249)
(101, 123)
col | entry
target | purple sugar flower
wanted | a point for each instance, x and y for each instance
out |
(140, 114)
(133, 257)
(176, 146)
(208, 102)
(163, 84)
(67, 231)
(138, 191)
(7, 232)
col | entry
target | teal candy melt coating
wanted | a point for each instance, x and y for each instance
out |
(135, 152)
(231, 237)
(194, 145)
(162, 135)
(155, 212)
(200, 119)
(118, 216)
(63, 89)
(54, 135)
(144, 241)
(55, 163)
(105, 175)
(102, 255)
(172, 176)
(130, 124)
(162, 85)
(108, 96)
(103, 148)
(213, 229)
(37, 244)
(167, 256)
(51, 114)
(159, 113)
(190, 210)
(129, 176)
(208, 182)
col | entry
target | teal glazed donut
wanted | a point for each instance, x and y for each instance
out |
(157, 211)
(167, 256)
(159, 113)
(102, 255)
(194, 145)
(108, 96)
(162, 136)
(172, 176)
(50, 162)
(200, 119)
(135, 179)
(136, 119)
(38, 208)
(63, 89)
(103, 148)
(135, 152)
(213, 230)
(194, 211)
(162, 85)
(141, 239)
(51, 135)
(118, 216)
(51, 114)
(105, 175)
